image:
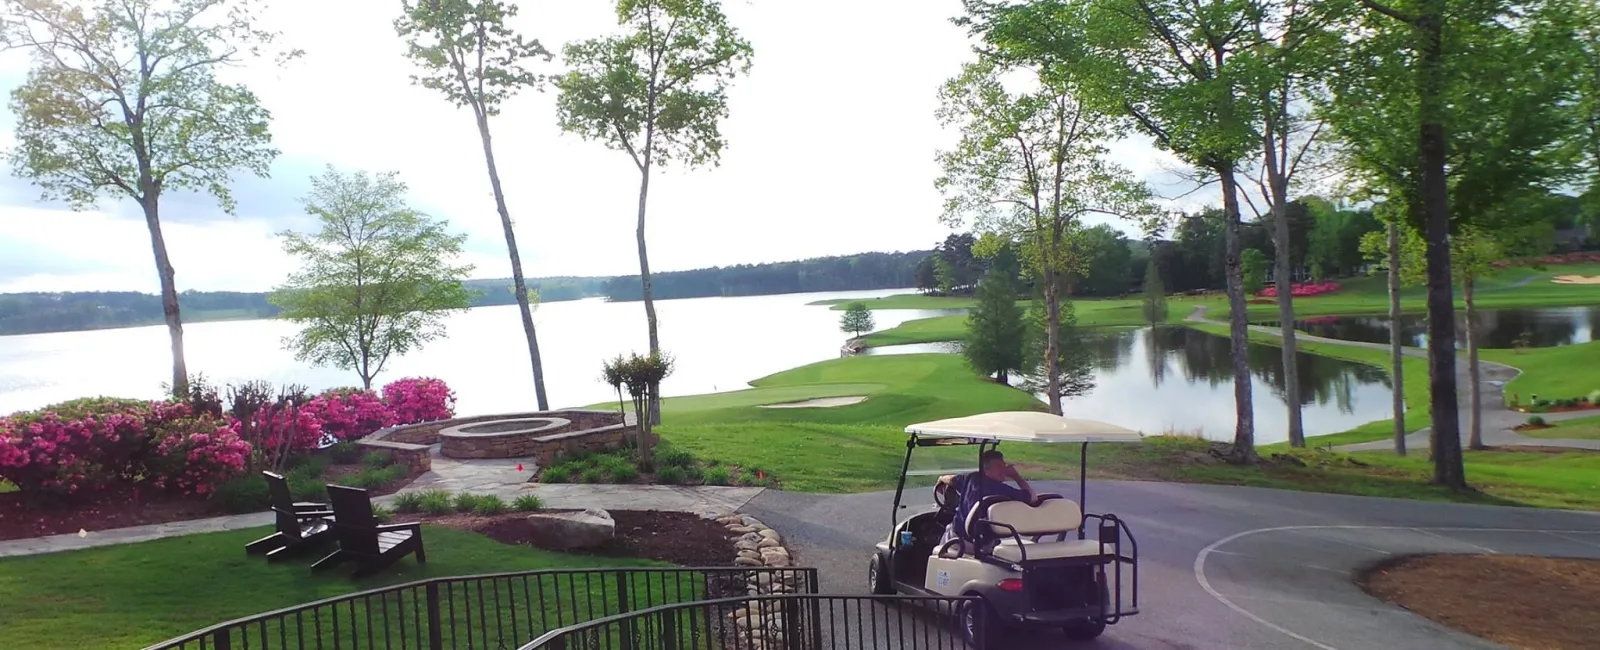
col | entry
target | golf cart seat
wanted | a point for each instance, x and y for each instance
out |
(1017, 532)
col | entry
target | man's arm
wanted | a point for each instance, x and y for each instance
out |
(1011, 471)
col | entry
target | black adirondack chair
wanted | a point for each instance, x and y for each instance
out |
(302, 525)
(371, 545)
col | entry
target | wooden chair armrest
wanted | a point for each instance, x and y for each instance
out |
(310, 505)
(313, 514)
(411, 525)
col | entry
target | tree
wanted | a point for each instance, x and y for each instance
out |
(123, 100)
(1074, 362)
(642, 376)
(856, 319)
(375, 281)
(1255, 272)
(1155, 295)
(1028, 167)
(926, 280)
(468, 53)
(996, 333)
(1107, 262)
(657, 92)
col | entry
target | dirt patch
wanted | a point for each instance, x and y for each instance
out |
(681, 538)
(116, 507)
(1528, 603)
(1543, 449)
(1531, 427)
(821, 402)
(1576, 279)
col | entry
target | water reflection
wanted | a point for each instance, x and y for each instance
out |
(1497, 328)
(1178, 379)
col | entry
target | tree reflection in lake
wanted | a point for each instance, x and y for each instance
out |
(1544, 327)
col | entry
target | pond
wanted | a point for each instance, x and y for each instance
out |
(1544, 327)
(1175, 379)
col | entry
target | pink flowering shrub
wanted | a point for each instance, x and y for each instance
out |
(419, 399)
(350, 413)
(78, 445)
(193, 456)
(1299, 290)
(270, 428)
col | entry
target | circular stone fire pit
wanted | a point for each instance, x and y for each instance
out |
(498, 438)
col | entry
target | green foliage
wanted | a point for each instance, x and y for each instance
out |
(376, 459)
(375, 477)
(1155, 294)
(856, 319)
(488, 505)
(344, 452)
(556, 474)
(437, 502)
(243, 494)
(670, 475)
(622, 473)
(718, 476)
(382, 514)
(593, 475)
(1534, 420)
(375, 281)
(527, 503)
(1254, 263)
(996, 333)
(1594, 397)
(309, 490)
(466, 501)
(658, 89)
(674, 457)
(467, 52)
(408, 502)
(1075, 364)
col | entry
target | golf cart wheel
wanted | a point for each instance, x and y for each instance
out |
(980, 626)
(877, 579)
(1088, 629)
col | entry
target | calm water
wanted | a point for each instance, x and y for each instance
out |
(1497, 328)
(1182, 379)
(719, 343)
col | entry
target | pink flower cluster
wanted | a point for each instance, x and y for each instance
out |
(82, 444)
(195, 455)
(419, 399)
(350, 414)
(1299, 290)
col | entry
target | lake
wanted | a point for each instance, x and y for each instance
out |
(719, 344)
(1543, 327)
(1179, 379)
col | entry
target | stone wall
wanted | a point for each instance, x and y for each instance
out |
(586, 431)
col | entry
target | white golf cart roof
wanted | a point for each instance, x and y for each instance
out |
(1024, 426)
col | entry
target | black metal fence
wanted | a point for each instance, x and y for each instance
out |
(487, 612)
(774, 622)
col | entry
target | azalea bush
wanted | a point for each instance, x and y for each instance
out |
(419, 399)
(1301, 290)
(82, 444)
(350, 413)
(195, 455)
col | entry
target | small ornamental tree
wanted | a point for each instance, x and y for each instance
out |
(856, 320)
(643, 376)
(1255, 270)
(614, 374)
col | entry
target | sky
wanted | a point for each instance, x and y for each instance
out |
(831, 143)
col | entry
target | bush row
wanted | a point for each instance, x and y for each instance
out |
(673, 467)
(192, 444)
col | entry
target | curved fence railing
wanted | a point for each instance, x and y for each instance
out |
(499, 611)
(775, 622)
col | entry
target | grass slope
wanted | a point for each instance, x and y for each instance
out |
(131, 595)
(1576, 429)
(1551, 373)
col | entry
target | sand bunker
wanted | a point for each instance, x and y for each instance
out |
(1576, 279)
(822, 402)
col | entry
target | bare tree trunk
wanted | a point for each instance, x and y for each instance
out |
(1052, 344)
(1291, 373)
(1448, 468)
(169, 292)
(1244, 432)
(1396, 352)
(518, 284)
(1475, 417)
(645, 286)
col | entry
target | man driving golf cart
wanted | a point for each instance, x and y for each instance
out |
(988, 481)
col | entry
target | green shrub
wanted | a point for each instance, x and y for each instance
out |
(344, 453)
(670, 475)
(527, 503)
(243, 494)
(408, 502)
(623, 473)
(309, 490)
(489, 504)
(751, 477)
(593, 475)
(556, 474)
(382, 514)
(718, 476)
(612, 463)
(466, 502)
(376, 459)
(675, 458)
(1594, 397)
(370, 478)
(437, 502)
(694, 475)
(1535, 420)
(310, 466)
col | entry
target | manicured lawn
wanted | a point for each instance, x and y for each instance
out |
(1551, 373)
(902, 301)
(1578, 429)
(131, 595)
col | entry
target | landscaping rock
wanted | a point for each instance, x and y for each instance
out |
(746, 561)
(588, 529)
(741, 529)
(751, 522)
(768, 542)
(746, 545)
(770, 534)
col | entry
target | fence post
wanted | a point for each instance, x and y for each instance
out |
(435, 628)
(222, 639)
(624, 607)
(669, 629)
(791, 624)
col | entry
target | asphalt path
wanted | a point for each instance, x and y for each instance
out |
(1225, 567)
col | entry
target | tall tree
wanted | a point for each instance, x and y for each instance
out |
(996, 333)
(657, 91)
(123, 100)
(375, 281)
(856, 319)
(1028, 167)
(469, 54)
(1155, 294)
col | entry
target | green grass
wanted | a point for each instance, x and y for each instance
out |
(131, 595)
(1551, 373)
(902, 301)
(1090, 313)
(1577, 429)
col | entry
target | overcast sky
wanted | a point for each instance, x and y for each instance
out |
(831, 145)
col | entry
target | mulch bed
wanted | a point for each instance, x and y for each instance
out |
(1531, 427)
(1528, 603)
(1557, 409)
(678, 537)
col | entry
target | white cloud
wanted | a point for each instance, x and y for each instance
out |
(831, 143)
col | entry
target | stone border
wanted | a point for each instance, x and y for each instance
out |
(408, 444)
(759, 624)
(456, 442)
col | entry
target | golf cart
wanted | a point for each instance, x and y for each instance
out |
(1029, 565)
